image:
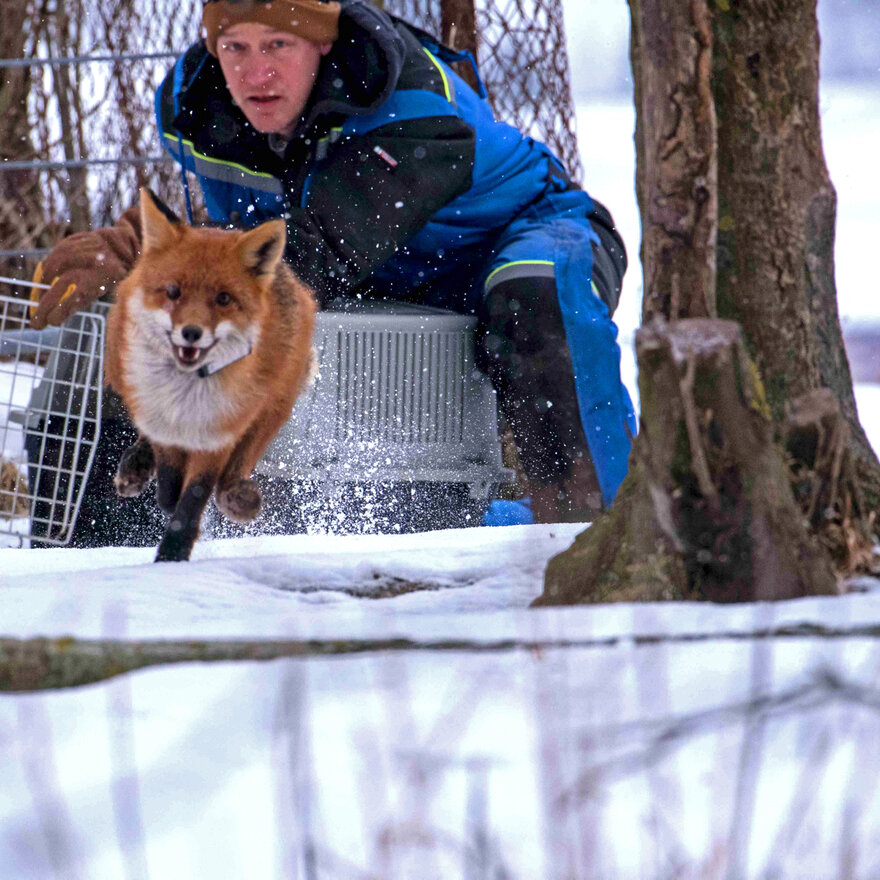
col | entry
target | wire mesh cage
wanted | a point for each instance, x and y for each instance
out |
(523, 61)
(78, 140)
(50, 411)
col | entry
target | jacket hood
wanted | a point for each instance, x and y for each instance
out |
(363, 67)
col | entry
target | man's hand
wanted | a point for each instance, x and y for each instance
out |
(77, 277)
(82, 268)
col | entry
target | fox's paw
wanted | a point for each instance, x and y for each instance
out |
(240, 502)
(135, 469)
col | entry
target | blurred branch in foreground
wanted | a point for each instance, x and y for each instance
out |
(44, 663)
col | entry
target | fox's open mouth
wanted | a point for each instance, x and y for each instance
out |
(189, 355)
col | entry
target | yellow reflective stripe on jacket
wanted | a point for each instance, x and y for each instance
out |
(448, 87)
(218, 169)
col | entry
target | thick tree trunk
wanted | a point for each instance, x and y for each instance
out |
(777, 208)
(727, 139)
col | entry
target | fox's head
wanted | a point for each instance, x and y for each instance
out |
(198, 296)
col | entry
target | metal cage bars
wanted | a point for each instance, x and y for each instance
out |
(50, 410)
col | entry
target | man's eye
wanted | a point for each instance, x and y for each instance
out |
(223, 298)
(231, 47)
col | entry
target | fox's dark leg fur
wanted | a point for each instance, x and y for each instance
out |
(183, 527)
(169, 478)
(136, 468)
(200, 471)
(169, 482)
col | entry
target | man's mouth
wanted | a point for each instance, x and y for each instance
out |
(264, 100)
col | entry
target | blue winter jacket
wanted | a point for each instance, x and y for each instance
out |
(396, 172)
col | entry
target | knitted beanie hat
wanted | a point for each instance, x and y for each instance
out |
(314, 20)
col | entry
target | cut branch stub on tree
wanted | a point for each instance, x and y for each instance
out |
(711, 512)
(711, 460)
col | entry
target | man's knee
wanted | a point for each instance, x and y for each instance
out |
(521, 318)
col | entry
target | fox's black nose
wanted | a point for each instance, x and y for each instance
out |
(191, 334)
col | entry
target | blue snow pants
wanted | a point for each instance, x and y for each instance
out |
(554, 242)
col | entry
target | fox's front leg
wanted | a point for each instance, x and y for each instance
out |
(239, 497)
(136, 468)
(170, 465)
(182, 531)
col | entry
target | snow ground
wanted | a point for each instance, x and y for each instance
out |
(632, 741)
(433, 764)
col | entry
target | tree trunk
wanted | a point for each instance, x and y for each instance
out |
(62, 40)
(729, 167)
(458, 25)
(20, 196)
(676, 168)
(777, 208)
(723, 523)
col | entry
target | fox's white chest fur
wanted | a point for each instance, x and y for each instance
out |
(172, 407)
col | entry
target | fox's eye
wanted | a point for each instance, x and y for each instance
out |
(223, 298)
(172, 291)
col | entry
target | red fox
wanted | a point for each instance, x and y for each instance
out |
(209, 343)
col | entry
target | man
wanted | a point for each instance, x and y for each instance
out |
(395, 180)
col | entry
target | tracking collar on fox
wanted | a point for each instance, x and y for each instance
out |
(212, 367)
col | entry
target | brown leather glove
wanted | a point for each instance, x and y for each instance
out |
(84, 267)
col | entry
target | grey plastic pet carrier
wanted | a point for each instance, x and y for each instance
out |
(398, 402)
(398, 398)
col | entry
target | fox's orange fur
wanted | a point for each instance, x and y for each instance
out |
(197, 300)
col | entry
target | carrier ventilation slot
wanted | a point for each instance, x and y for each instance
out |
(401, 387)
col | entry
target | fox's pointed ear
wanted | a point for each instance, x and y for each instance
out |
(159, 224)
(261, 248)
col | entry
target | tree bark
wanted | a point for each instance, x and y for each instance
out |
(736, 204)
(777, 208)
(61, 40)
(676, 168)
(21, 214)
(458, 24)
(713, 515)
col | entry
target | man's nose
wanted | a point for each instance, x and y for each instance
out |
(257, 69)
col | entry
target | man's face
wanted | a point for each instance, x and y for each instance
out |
(269, 73)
